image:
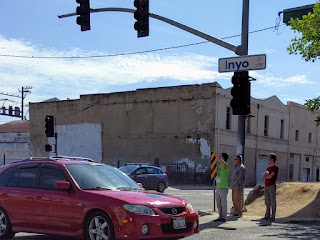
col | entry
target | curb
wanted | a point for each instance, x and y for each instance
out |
(202, 213)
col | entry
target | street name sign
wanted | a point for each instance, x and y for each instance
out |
(243, 63)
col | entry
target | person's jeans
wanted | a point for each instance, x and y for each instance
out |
(270, 200)
(221, 199)
(237, 196)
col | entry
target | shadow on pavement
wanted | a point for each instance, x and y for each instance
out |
(218, 225)
(262, 222)
(298, 231)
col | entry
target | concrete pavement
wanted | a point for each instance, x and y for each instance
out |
(207, 223)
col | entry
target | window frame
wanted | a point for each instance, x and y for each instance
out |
(228, 118)
(19, 168)
(282, 129)
(55, 167)
(296, 135)
(310, 138)
(266, 126)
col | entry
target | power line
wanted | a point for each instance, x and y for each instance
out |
(132, 53)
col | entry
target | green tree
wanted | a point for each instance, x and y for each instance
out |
(313, 105)
(308, 45)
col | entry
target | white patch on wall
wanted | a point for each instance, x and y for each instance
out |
(80, 140)
(129, 107)
(206, 127)
(191, 140)
(200, 169)
(188, 162)
(197, 105)
(204, 148)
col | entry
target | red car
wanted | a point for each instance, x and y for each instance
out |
(78, 198)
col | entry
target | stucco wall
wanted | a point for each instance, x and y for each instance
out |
(15, 146)
(172, 124)
(175, 124)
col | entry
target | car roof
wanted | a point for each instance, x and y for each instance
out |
(136, 166)
(57, 160)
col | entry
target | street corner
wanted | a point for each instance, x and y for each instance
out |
(203, 213)
(208, 223)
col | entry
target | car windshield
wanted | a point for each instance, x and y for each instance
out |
(128, 169)
(100, 177)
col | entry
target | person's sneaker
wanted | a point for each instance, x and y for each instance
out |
(237, 215)
(271, 219)
(223, 220)
(217, 220)
(265, 218)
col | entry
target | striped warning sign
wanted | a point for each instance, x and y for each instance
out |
(213, 166)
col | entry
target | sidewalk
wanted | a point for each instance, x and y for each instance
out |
(207, 223)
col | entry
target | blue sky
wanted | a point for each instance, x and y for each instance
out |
(32, 28)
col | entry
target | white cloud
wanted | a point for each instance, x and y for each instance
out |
(275, 81)
(68, 77)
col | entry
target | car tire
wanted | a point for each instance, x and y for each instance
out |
(103, 231)
(5, 225)
(161, 187)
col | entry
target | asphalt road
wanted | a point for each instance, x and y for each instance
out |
(201, 197)
(264, 232)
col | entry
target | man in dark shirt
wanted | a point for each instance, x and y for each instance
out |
(270, 178)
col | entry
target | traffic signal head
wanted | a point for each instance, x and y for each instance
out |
(48, 147)
(49, 126)
(240, 92)
(142, 17)
(84, 14)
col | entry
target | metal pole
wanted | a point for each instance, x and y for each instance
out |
(22, 97)
(56, 143)
(214, 195)
(244, 51)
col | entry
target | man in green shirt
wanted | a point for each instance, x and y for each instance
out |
(222, 187)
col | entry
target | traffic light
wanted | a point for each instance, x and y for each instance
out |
(84, 11)
(48, 147)
(142, 17)
(240, 92)
(49, 126)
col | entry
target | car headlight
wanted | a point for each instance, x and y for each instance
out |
(190, 208)
(139, 209)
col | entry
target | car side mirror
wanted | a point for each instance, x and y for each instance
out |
(62, 185)
(140, 184)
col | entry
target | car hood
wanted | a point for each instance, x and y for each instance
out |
(144, 198)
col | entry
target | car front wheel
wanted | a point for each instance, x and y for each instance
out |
(161, 187)
(5, 226)
(98, 226)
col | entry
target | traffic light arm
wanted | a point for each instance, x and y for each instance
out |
(220, 42)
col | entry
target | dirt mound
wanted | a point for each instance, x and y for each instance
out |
(296, 200)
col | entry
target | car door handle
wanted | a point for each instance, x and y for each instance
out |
(4, 194)
(39, 196)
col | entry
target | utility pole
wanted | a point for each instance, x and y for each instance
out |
(243, 51)
(23, 91)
